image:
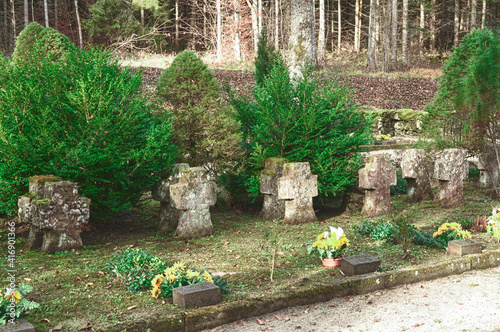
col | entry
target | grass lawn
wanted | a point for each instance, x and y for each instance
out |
(74, 289)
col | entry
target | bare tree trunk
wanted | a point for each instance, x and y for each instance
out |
(405, 34)
(177, 25)
(422, 27)
(387, 36)
(456, 23)
(219, 31)
(483, 17)
(260, 17)
(473, 15)
(432, 27)
(356, 27)
(255, 24)
(5, 30)
(360, 23)
(79, 25)
(237, 43)
(339, 26)
(276, 24)
(13, 11)
(394, 37)
(46, 12)
(26, 13)
(56, 23)
(322, 34)
(192, 40)
(371, 34)
(302, 43)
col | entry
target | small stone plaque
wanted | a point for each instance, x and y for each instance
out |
(21, 325)
(197, 295)
(386, 142)
(464, 247)
(359, 264)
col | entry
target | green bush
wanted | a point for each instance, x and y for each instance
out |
(36, 42)
(457, 107)
(135, 268)
(206, 131)
(309, 120)
(379, 230)
(84, 121)
(267, 57)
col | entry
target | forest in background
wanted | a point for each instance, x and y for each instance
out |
(393, 31)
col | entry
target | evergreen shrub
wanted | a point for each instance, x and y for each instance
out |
(82, 120)
(206, 131)
(308, 120)
(36, 42)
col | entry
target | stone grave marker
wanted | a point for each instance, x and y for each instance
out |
(20, 325)
(376, 178)
(359, 264)
(169, 217)
(488, 171)
(55, 212)
(464, 247)
(192, 196)
(449, 170)
(297, 187)
(415, 169)
(273, 208)
(196, 295)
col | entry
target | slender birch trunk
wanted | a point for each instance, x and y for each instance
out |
(387, 36)
(237, 43)
(394, 33)
(322, 34)
(339, 26)
(46, 12)
(483, 17)
(371, 34)
(432, 27)
(456, 23)
(79, 25)
(219, 31)
(422, 27)
(26, 13)
(356, 27)
(276, 24)
(404, 55)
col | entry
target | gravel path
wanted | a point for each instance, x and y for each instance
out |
(465, 302)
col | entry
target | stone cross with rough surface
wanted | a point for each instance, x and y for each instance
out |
(488, 171)
(169, 217)
(376, 178)
(192, 196)
(416, 170)
(448, 169)
(55, 212)
(273, 208)
(297, 187)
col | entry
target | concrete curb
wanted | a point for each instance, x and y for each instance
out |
(308, 293)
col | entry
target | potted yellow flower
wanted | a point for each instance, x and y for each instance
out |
(329, 247)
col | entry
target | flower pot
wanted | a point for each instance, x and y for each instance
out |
(332, 262)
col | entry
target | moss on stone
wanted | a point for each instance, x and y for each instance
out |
(44, 178)
(42, 202)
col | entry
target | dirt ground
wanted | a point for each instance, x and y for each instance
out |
(466, 302)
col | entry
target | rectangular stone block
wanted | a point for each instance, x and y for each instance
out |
(20, 325)
(197, 295)
(464, 247)
(359, 264)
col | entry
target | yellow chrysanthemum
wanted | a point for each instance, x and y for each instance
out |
(192, 274)
(170, 270)
(179, 266)
(15, 295)
(207, 277)
(157, 281)
(155, 292)
(172, 278)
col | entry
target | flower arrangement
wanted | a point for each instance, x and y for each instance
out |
(176, 276)
(383, 137)
(329, 244)
(450, 231)
(493, 225)
(13, 303)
